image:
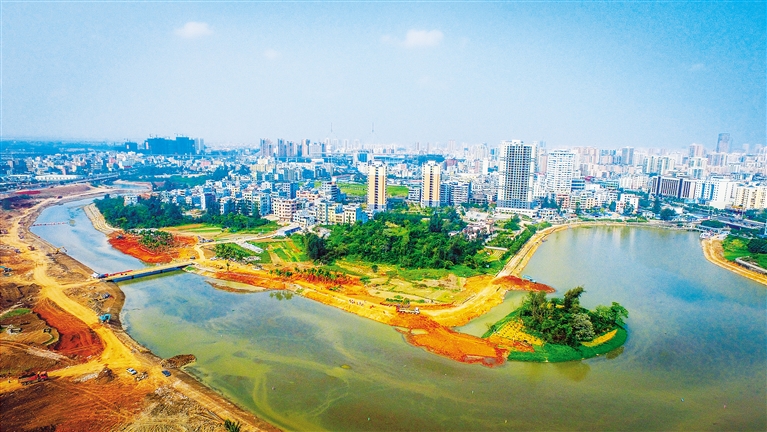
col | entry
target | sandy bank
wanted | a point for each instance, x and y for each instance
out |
(712, 250)
(119, 402)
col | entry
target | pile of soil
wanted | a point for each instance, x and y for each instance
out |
(178, 361)
(76, 340)
(106, 375)
(519, 284)
(129, 244)
(424, 332)
(11, 293)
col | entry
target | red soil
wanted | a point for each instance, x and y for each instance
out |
(251, 279)
(76, 340)
(519, 284)
(128, 244)
(428, 334)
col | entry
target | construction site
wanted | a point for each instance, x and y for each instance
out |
(61, 340)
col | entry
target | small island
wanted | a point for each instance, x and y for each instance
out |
(559, 329)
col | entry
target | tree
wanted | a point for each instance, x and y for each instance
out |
(628, 209)
(315, 246)
(374, 268)
(584, 329)
(232, 426)
(572, 302)
(612, 206)
(656, 205)
(667, 214)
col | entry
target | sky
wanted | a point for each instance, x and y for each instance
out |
(608, 75)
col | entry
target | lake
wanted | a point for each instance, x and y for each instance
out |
(696, 357)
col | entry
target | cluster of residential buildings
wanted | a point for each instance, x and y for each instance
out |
(279, 178)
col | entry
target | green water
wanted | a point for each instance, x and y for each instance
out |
(697, 342)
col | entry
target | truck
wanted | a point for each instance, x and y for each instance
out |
(33, 378)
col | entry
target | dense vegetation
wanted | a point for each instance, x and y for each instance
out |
(148, 213)
(153, 213)
(407, 240)
(753, 250)
(564, 321)
(155, 240)
(231, 251)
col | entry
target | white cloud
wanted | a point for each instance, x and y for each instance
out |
(193, 30)
(422, 38)
(416, 39)
(697, 67)
(271, 54)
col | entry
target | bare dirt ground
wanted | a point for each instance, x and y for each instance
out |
(129, 244)
(89, 388)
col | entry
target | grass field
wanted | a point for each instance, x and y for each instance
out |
(286, 250)
(736, 247)
(360, 190)
(561, 353)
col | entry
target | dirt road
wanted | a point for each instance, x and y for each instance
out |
(104, 347)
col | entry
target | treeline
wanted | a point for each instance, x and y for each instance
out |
(564, 322)
(757, 246)
(407, 240)
(147, 213)
(153, 213)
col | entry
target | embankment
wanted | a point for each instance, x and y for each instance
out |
(712, 250)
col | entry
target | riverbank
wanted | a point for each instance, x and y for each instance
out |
(712, 250)
(154, 401)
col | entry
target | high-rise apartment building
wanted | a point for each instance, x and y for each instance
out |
(431, 182)
(516, 169)
(559, 171)
(627, 156)
(376, 187)
(696, 150)
(723, 143)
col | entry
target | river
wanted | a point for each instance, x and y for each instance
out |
(696, 357)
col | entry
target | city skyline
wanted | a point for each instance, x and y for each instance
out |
(603, 75)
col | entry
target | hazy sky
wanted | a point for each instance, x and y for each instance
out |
(570, 73)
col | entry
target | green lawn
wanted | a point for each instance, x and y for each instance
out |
(353, 189)
(396, 191)
(736, 247)
(360, 190)
(287, 250)
(561, 353)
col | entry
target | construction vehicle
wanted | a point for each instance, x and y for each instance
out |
(33, 378)
(61, 249)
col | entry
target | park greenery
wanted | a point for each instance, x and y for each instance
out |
(153, 213)
(406, 240)
(565, 326)
(515, 242)
(231, 251)
(753, 250)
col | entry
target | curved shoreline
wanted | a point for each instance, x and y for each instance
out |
(117, 342)
(712, 249)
